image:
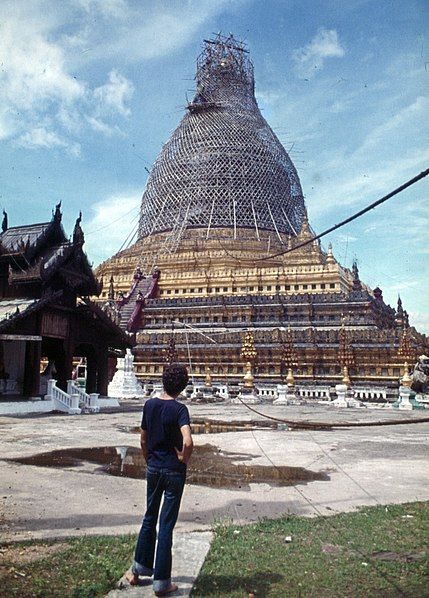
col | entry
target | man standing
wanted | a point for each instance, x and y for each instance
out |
(167, 445)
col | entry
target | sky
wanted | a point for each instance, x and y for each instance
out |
(90, 90)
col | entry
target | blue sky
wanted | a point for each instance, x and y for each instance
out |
(91, 89)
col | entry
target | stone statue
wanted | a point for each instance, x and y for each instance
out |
(4, 223)
(420, 376)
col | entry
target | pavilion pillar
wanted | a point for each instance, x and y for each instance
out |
(92, 362)
(31, 381)
(103, 371)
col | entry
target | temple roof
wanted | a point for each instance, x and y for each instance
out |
(36, 253)
(14, 236)
(12, 307)
(12, 310)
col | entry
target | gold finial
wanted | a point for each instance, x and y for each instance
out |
(345, 353)
(406, 379)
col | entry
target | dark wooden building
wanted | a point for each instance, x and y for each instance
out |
(45, 311)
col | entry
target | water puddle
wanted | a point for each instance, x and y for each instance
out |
(202, 426)
(209, 466)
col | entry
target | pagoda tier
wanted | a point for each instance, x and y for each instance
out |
(219, 251)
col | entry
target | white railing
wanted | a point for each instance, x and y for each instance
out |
(315, 392)
(87, 401)
(63, 401)
(364, 393)
(267, 392)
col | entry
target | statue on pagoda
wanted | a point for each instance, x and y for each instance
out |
(406, 353)
(345, 355)
(288, 356)
(248, 354)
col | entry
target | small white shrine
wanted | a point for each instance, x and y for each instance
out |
(124, 383)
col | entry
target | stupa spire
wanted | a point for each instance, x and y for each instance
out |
(223, 167)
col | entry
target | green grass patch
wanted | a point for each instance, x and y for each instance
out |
(377, 551)
(79, 567)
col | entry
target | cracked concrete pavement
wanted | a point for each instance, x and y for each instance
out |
(364, 466)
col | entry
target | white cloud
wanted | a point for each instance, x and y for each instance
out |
(35, 71)
(101, 127)
(420, 320)
(113, 95)
(46, 43)
(107, 8)
(345, 188)
(268, 96)
(409, 118)
(112, 220)
(311, 58)
(43, 104)
(160, 29)
(39, 137)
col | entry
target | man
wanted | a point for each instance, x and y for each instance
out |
(167, 445)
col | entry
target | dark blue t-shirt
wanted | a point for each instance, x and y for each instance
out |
(162, 420)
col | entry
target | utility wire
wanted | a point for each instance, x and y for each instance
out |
(315, 425)
(113, 221)
(346, 221)
(130, 236)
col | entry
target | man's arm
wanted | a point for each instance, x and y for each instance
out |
(143, 443)
(188, 445)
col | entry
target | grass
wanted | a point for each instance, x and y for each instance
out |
(80, 568)
(377, 551)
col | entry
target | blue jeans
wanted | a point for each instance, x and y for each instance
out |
(170, 484)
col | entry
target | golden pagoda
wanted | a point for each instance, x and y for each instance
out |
(221, 216)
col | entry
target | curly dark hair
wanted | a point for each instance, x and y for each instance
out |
(174, 379)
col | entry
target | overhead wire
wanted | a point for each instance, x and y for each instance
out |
(343, 471)
(354, 216)
(306, 425)
(130, 235)
(92, 232)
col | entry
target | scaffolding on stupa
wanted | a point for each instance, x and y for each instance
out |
(223, 167)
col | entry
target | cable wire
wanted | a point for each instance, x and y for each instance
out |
(113, 222)
(343, 222)
(309, 425)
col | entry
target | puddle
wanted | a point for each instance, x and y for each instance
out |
(208, 467)
(202, 426)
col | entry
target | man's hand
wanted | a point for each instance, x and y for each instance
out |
(188, 445)
(180, 455)
(143, 443)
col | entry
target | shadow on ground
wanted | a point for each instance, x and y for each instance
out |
(221, 585)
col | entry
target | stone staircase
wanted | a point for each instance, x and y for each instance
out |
(144, 286)
(74, 401)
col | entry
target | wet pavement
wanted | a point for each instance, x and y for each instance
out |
(209, 466)
(242, 469)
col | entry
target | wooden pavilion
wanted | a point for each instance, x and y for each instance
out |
(45, 310)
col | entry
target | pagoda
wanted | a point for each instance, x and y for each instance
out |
(222, 205)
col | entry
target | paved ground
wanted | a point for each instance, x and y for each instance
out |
(189, 551)
(363, 466)
(355, 466)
